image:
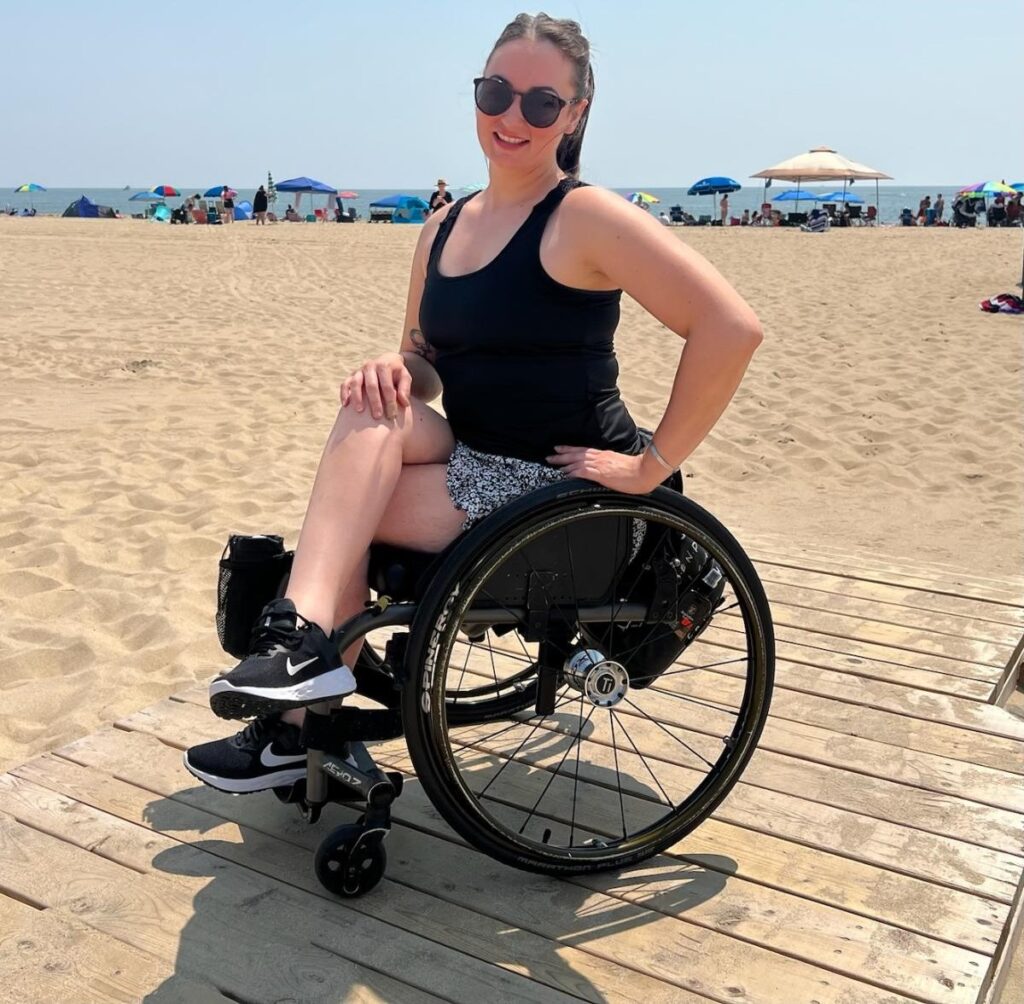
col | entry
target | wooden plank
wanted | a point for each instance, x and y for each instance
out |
(1012, 678)
(893, 602)
(940, 571)
(881, 842)
(868, 692)
(894, 575)
(47, 956)
(897, 640)
(231, 927)
(811, 644)
(979, 759)
(497, 963)
(1007, 955)
(746, 901)
(890, 595)
(791, 598)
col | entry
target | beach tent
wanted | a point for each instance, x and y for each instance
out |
(86, 207)
(243, 210)
(304, 184)
(821, 164)
(407, 208)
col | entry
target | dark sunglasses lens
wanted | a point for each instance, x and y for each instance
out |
(541, 108)
(493, 96)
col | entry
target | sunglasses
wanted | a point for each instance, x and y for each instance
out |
(540, 105)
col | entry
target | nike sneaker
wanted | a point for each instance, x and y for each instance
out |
(291, 663)
(267, 753)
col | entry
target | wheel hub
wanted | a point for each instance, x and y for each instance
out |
(602, 681)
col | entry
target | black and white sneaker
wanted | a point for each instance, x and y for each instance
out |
(292, 664)
(267, 753)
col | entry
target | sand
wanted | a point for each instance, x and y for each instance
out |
(161, 387)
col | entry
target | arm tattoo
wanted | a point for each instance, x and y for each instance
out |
(421, 346)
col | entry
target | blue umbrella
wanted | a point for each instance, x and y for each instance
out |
(839, 197)
(714, 186)
(146, 197)
(795, 195)
(401, 202)
(215, 192)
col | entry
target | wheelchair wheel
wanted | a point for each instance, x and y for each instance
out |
(609, 746)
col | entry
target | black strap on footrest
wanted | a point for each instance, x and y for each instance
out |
(350, 724)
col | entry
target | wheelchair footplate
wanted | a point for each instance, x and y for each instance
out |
(351, 859)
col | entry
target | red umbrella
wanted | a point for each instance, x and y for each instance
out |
(348, 195)
(165, 190)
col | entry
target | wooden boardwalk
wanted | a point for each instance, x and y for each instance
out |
(872, 853)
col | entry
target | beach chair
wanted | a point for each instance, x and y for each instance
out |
(796, 219)
(320, 215)
(704, 221)
(310, 218)
(854, 213)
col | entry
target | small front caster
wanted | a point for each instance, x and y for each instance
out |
(351, 860)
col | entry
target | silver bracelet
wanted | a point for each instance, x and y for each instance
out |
(656, 453)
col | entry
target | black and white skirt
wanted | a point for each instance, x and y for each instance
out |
(478, 483)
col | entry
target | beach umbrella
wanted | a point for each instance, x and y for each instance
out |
(839, 197)
(982, 188)
(146, 197)
(30, 187)
(796, 195)
(1018, 186)
(271, 189)
(215, 192)
(348, 195)
(645, 197)
(716, 185)
(167, 191)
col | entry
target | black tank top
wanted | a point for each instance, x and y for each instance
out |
(526, 362)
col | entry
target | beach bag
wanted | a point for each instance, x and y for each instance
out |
(250, 573)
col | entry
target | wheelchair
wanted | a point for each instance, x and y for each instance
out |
(552, 675)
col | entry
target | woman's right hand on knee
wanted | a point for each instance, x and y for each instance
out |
(383, 384)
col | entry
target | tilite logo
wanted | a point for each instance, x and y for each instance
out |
(427, 680)
(604, 684)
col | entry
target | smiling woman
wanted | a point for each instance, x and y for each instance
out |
(511, 312)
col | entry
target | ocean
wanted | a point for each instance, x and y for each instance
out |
(891, 198)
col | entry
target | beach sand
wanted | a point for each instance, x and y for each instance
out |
(162, 387)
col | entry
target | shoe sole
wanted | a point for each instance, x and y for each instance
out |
(246, 785)
(228, 701)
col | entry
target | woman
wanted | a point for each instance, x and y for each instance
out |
(259, 206)
(229, 204)
(512, 304)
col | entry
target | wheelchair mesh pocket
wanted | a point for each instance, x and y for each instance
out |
(249, 574)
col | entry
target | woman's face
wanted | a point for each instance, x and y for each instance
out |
(508, 139)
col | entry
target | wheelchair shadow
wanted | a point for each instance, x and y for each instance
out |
(261, 941)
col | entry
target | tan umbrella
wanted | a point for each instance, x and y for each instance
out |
(822, 164)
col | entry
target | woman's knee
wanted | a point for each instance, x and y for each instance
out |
(424, 434)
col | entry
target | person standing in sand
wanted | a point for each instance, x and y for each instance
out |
(512, 306)
(940, 207)
(723, 207)
(259, 206)
(441, 197)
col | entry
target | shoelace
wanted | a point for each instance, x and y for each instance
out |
(267, 636)
(254, 733)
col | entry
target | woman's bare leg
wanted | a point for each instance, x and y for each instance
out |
(357, 477)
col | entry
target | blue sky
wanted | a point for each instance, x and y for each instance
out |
(379, 95)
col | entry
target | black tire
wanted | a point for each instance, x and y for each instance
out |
(349, 863)
(449, 766)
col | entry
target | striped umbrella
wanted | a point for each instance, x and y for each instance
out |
(30, 187)
(983, 188)
(271, 190)
(642, 197)
(167, 191)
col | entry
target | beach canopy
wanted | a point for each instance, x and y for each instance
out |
(714, 186)
(304, 184)
(839, 197)
(87, 208)
(795, 195)
(401, 202)
(820, 164)
(30, 186)
(215, 192)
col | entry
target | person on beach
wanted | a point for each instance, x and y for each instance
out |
(229, 204)
(259, 206)
(512, 306)
(440, 197)
(922, 210)
(723, 207)
(940, 207)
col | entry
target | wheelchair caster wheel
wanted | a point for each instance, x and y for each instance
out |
(350, 862)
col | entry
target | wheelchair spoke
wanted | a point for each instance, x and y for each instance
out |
(706, 665)
(618, 782)
(666, 731)
(643, 759)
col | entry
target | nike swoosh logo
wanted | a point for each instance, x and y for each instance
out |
(292, 670)
(269, 759)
